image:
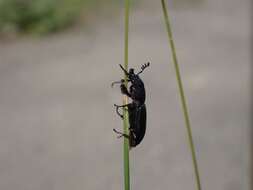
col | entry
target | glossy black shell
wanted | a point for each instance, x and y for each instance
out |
(137, 122)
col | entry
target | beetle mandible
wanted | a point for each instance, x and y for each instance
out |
(137, 108)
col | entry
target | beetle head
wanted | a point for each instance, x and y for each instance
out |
(131, 73)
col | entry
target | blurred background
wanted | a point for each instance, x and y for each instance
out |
(57, 61)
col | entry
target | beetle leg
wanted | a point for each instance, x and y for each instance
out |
(121, 134)
(120, 82)
(117, 109)
(126, 105)
(117, 82)
(124, 90)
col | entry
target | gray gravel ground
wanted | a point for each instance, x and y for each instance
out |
(57, 114)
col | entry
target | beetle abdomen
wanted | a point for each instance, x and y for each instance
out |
(138, 125)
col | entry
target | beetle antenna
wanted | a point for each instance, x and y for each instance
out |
(143, 67)
(125, 71)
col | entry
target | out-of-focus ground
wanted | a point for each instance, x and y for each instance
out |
(57, 114)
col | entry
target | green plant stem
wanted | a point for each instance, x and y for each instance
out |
(182, 96)
(125, 101)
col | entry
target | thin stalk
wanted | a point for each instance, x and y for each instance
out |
(182, 96)
(125, 101)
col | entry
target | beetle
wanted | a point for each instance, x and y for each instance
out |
(136, 109)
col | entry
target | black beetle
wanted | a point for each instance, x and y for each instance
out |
(136, 109)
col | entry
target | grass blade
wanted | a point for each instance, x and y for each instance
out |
(182, 96)
(125, 101)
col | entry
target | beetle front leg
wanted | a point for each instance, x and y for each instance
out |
(122, 106)
(119, 82)
(124, 90)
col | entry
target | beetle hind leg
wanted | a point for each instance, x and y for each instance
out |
(121, 134)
